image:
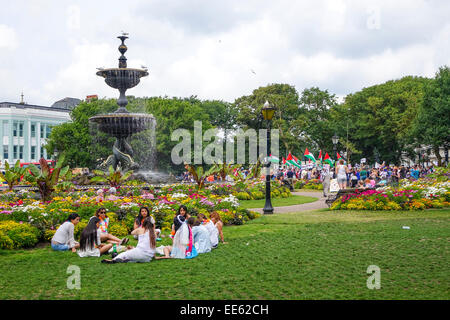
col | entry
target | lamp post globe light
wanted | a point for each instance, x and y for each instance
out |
(268, 112)
(335, 140)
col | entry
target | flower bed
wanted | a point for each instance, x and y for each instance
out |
(313, 184)
(430, 192)
(23, 208)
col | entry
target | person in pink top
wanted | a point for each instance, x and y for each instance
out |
(112, 195)
(100, 196)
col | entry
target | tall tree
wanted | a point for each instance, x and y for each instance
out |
(284, 98)
(381, 116)
(316, 106)
(432, 125)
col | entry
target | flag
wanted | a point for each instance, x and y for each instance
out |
(309, 155)
(320, 155)
(328, 160)
(284, 160)
(338, 156)
(274, 159)
(290, 160)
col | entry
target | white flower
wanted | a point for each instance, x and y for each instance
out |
(233, 200)
(179, 195)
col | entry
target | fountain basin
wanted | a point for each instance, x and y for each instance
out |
(122, 78)
(121, 125)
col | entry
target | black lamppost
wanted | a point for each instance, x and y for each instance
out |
(268, 112)
(335, 140)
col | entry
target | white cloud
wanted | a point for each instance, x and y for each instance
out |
(8, 37)
(219, 50)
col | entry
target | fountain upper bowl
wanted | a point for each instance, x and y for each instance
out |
(122, 78)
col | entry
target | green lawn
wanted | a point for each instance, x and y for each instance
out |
(310, 255)
(277, 202)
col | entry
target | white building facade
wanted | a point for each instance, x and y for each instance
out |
(25, 128)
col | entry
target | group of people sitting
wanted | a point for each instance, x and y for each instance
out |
(191, 236)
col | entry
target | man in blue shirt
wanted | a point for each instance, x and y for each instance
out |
(415, 173)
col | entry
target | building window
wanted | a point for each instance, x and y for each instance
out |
(5, 152)
(42, 151)
(5, 128)
(21, 129)
(20, 152)
(42, 130)
(15, 126)
(33, 152)
(33, 130)
(15, 152)
(48, 131)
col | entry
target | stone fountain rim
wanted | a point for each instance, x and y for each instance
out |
(122, 115)
(100, 73)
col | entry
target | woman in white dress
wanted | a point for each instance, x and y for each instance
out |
(341, 172)
(202, 242)
(90, 243)
(145, 249)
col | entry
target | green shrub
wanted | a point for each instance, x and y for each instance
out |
(79, 228)
(5, 241)
(118, 229)
(48, 234)
(20, 235)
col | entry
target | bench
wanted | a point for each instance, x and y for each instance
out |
(334, 196)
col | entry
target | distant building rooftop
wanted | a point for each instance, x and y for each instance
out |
(63, 105)
(66, 103)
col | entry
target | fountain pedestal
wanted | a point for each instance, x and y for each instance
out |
(122, 124)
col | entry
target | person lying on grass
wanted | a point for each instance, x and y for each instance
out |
(63, 238)
(103, 228)
(90, 242)
(144, 212)
(145, 249)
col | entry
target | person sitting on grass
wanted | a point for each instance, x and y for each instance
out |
(144, 212)
(182, 242)
(145, 249)
(63, 239)
(202, 242)
(178, 220)
(215, 218)
(367, 183)
(212, 229)
(90, 242)
(104, 223)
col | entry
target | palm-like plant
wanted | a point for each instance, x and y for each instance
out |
(199, 174)
(13, 175)
(45, 178)
(113, 177)
(223, 169)
(255, 171)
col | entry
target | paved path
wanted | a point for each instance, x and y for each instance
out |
(319, 204)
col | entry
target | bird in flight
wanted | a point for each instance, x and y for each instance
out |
(253, 71)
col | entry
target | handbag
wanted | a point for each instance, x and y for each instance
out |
(191, 254)
(191, 250)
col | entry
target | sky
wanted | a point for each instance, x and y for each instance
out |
(222, 50)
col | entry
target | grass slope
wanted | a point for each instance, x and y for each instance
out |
(308, 255)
